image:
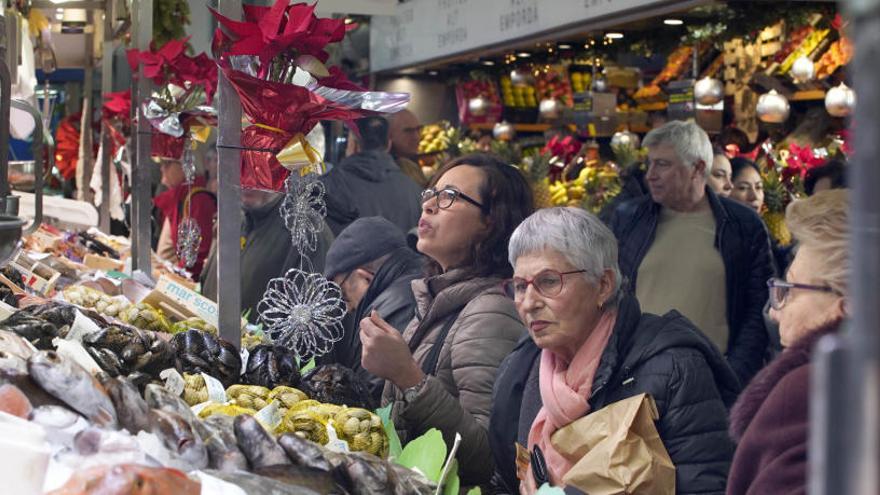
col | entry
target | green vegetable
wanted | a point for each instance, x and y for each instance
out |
(394, 447)
(426, 453)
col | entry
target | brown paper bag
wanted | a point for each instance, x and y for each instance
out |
(617, 450)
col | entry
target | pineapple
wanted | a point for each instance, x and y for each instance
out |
(536, 173)
(775, 195)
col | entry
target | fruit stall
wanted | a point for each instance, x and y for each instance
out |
(762, 78)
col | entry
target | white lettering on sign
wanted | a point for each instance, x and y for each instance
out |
(423, 30)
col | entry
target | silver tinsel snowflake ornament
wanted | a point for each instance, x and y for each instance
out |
(188, 163)
(303, 210)
(189, 238)
(303, 311)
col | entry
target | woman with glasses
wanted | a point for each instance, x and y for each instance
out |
(592, 346)
(770, 421)
(440, 372)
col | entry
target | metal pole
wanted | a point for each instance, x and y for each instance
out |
(85, 193)
(106, 87)
(141, 177)
(855, 404)
(229, 207)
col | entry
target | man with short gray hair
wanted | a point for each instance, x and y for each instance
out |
(684, 248)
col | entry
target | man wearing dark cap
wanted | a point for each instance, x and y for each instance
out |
(374, 267)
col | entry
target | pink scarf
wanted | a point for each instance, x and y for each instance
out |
(565, 388)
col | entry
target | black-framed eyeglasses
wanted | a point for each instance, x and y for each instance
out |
(548, 283)
(779, 291)
(446, 197)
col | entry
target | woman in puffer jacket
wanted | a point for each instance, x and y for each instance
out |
(439, 373)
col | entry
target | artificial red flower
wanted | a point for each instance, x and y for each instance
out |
(117, 104)
(269, 31)
(563, 148)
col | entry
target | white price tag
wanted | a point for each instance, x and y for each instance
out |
(174, 383)
(74, 351)
(82, 326)
(216, 392)
(269, 416)
(335, 443)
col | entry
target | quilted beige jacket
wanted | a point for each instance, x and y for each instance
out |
(458, 398)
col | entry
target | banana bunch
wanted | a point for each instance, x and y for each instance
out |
(435, 137)
(195, 390)
(558, 193)
(146, 317)
(249, 396)
(194, 323)
(362, 430)
(95, 299)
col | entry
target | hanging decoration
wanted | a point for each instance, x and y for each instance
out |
(303, 210)
(708, 91)
(181, 103)
(625, 139)
(274, 60)
(550, 109)
(773, 108)
(189, 235)
(478, 106)
(303, 311)
(840, 101)
(803, 70)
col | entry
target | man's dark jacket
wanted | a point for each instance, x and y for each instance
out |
(266, 253)
(742, 240)
(666, 357)
(391, 295)
(369, 184)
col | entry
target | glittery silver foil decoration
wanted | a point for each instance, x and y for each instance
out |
(303, 312)
(188, 163)
(303, 210)
(189, 238)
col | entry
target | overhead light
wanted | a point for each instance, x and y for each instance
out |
(349, 20)
(523, 54)
(488, 63)
(564, 46)
(614, 36)
(673, 22)
(59, 11)
(432, 72)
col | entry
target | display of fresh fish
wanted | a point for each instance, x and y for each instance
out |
(74, 385)
(129, 479)
(34, 393)
(13, 344)
(258, 446)
(179, 438)
(13, 401)
(131, 409)
(158, 397)
(319, 482)
(223, 451)
(61, 424)
(369, 474)
(305, 453)
(14, 362)
(254, 484)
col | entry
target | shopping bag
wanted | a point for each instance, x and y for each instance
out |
(617, 450)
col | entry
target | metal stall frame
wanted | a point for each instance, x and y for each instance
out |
(141, 194)
(844, 448)
(229, 200)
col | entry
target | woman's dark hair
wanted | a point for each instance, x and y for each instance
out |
(507, 198)
(834, 170)
(738, 164)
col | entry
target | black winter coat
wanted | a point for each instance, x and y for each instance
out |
(367, 184)
(391, 295)
(742, 240)
(665, 357)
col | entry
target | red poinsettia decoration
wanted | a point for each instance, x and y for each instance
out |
(800, 160)
(284, 40)
(563, 148)
(171, 64)
(117, 104)
(270, 31)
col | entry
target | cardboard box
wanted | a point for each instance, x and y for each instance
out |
(181, 302)
(103, 263)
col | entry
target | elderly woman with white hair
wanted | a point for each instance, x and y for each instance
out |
(770, 421)
(590, 345)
